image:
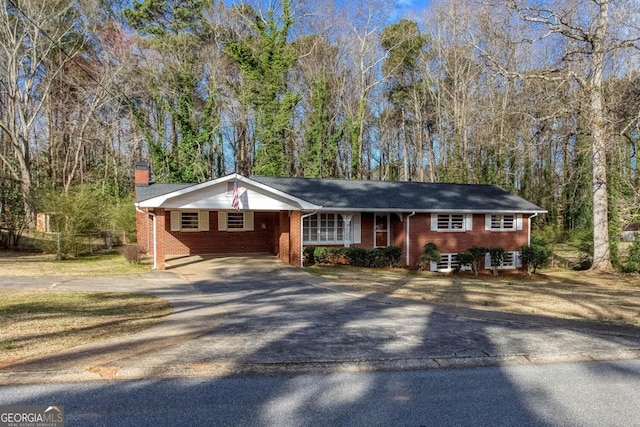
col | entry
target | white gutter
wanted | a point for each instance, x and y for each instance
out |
(302, 235)
(155, 240)
(407, 236)
(529, 231)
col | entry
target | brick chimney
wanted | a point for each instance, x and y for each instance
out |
(143, 173)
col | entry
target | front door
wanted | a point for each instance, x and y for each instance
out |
(382, 230)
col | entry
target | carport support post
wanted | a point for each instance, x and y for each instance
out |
(295, 238)
(346, 229)
(160, 230)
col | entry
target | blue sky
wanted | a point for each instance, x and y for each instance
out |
(408, 7)
(411, 5)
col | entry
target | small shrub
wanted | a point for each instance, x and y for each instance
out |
(133, 253)
(472, 257)
(359, 257)
(308, 254)
(430, 253)
(355, 256)
(536, 255)
(633, 263)
(388, 256)
(496, 255)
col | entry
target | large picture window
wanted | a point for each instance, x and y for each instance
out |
(329, 228)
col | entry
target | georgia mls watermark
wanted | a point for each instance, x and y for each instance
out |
(31, 416)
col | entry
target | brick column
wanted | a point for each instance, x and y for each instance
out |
(160, 243)
(295, 239)
(283, 241)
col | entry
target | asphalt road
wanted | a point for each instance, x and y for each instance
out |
(578, 394)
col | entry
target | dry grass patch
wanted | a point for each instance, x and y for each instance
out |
(39, 265)
(38, 322)
(558, 293)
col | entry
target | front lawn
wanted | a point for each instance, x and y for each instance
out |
(38, 322)
(557, 293)
(40, 265)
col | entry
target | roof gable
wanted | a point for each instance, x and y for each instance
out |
(216, 195)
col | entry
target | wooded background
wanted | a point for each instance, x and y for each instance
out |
(540, 97)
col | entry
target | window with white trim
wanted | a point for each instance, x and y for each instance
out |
(448, 262)
(235, 221)
(191, 220)
(328, 228)
(451, 222)
(511, 260)
(503, 222)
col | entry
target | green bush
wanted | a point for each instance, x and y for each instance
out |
(633, 263)
(472, 257)
(359, 257)
(84, 212)
(536, 255)
(355, 256)
(430, 253)
(388, 256)
(496, 255)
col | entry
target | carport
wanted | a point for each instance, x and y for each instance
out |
(230, 215)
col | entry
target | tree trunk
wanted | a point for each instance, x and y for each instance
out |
(601, 250)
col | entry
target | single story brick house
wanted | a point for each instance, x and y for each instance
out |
(283, 215)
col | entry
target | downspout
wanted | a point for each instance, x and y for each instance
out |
(302, 235)
(407, 236)
(529, 228)
(155, 240)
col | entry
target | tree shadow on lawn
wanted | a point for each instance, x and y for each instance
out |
(279, 318)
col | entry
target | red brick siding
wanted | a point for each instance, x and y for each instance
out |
(144, 225)
(456, 242)
(447, 242)
(295, 239)
(214, 241)
(283, 238)
(142, 176)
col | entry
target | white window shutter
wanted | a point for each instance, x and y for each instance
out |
(248, 221)
(487, 221)
(433, 266)
(518, 256)
(487, 261)
(222, 221)
(203, 220)
(519, 222)
(434, 222)
(175, 220)
(468, 226)
(356, 226)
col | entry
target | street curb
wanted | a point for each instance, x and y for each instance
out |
(245, 369)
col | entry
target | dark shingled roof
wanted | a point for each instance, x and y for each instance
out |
(404, 196)
(380, 195)
(144, 192)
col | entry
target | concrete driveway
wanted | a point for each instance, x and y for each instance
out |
(254, 315)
